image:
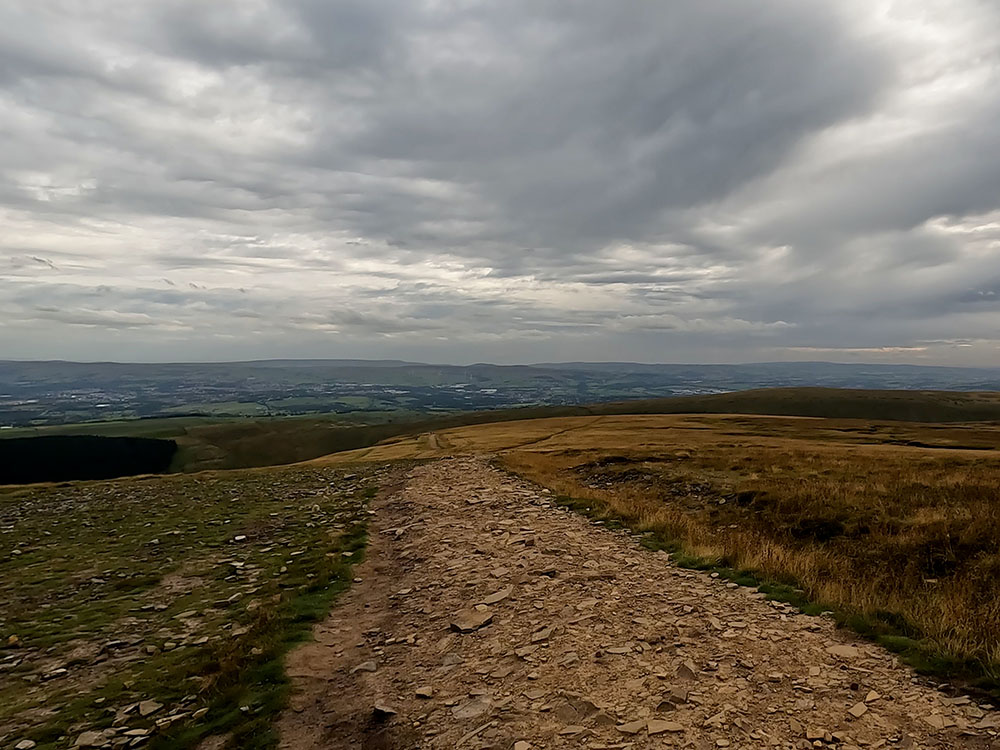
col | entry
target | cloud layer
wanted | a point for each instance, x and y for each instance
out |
(707, 180)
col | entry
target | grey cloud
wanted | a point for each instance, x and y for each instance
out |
(500, 180)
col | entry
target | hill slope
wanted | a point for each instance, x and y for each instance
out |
(244, 443)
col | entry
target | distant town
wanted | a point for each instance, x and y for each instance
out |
(58, 393)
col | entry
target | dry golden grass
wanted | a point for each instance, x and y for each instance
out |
(865, 517)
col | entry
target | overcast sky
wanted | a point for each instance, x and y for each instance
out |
(509, 181)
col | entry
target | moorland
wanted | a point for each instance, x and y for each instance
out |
(891, 525)
(160, 608)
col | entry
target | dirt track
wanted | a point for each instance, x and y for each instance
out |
(584, 640)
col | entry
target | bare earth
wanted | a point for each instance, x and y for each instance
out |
(582, 639)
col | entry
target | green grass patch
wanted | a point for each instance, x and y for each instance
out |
(183, 590)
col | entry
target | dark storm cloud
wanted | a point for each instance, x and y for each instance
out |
(476, 180)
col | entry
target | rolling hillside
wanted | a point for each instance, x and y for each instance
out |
(245, 443)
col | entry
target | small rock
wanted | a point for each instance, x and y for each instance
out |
(471, 709)
(499, 596)
(365, 666)
(148, 708)
(572, 730)
(858, 710)
(522, 745)
(658, 726)
(936, 720)
(424, 691)
(872, 696)
(382, 712)
(14, 642)
(90, 739)
(843, 652)
(542, 635)
(631, 727)
(25, 745)
(687, 671)
(470, 620)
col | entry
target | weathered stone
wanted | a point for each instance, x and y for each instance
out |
(499, 596)
(843, 652)
(473, 708)
(90, 739)
(382, 712)
(631, 727)
(858, 710)
(470, 620)
(659, 726)
(687, 671)
(542, 635)
(148, 708)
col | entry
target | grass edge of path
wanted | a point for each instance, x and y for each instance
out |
(974, 678)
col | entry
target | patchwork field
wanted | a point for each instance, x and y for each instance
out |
(894, 526)
(155, 611)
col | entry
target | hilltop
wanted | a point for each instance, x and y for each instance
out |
(542, 575)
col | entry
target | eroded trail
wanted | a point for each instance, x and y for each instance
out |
(582, 639)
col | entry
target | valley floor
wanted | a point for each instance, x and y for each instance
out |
(488, 617)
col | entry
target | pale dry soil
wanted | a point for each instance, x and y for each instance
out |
(582, 639)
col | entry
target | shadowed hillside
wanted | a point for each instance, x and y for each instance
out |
(836, 403)
(58, 458)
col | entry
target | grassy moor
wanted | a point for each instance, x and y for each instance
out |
(892, 525)
(157, 611)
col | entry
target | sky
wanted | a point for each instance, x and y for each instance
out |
(508, 181)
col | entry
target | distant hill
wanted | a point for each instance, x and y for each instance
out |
(846, 403)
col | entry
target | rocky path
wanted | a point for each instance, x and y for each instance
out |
(486, 617)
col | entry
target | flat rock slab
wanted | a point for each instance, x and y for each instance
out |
(470, 620)
(515, 623)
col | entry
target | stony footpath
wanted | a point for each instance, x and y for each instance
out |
(488, 617)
